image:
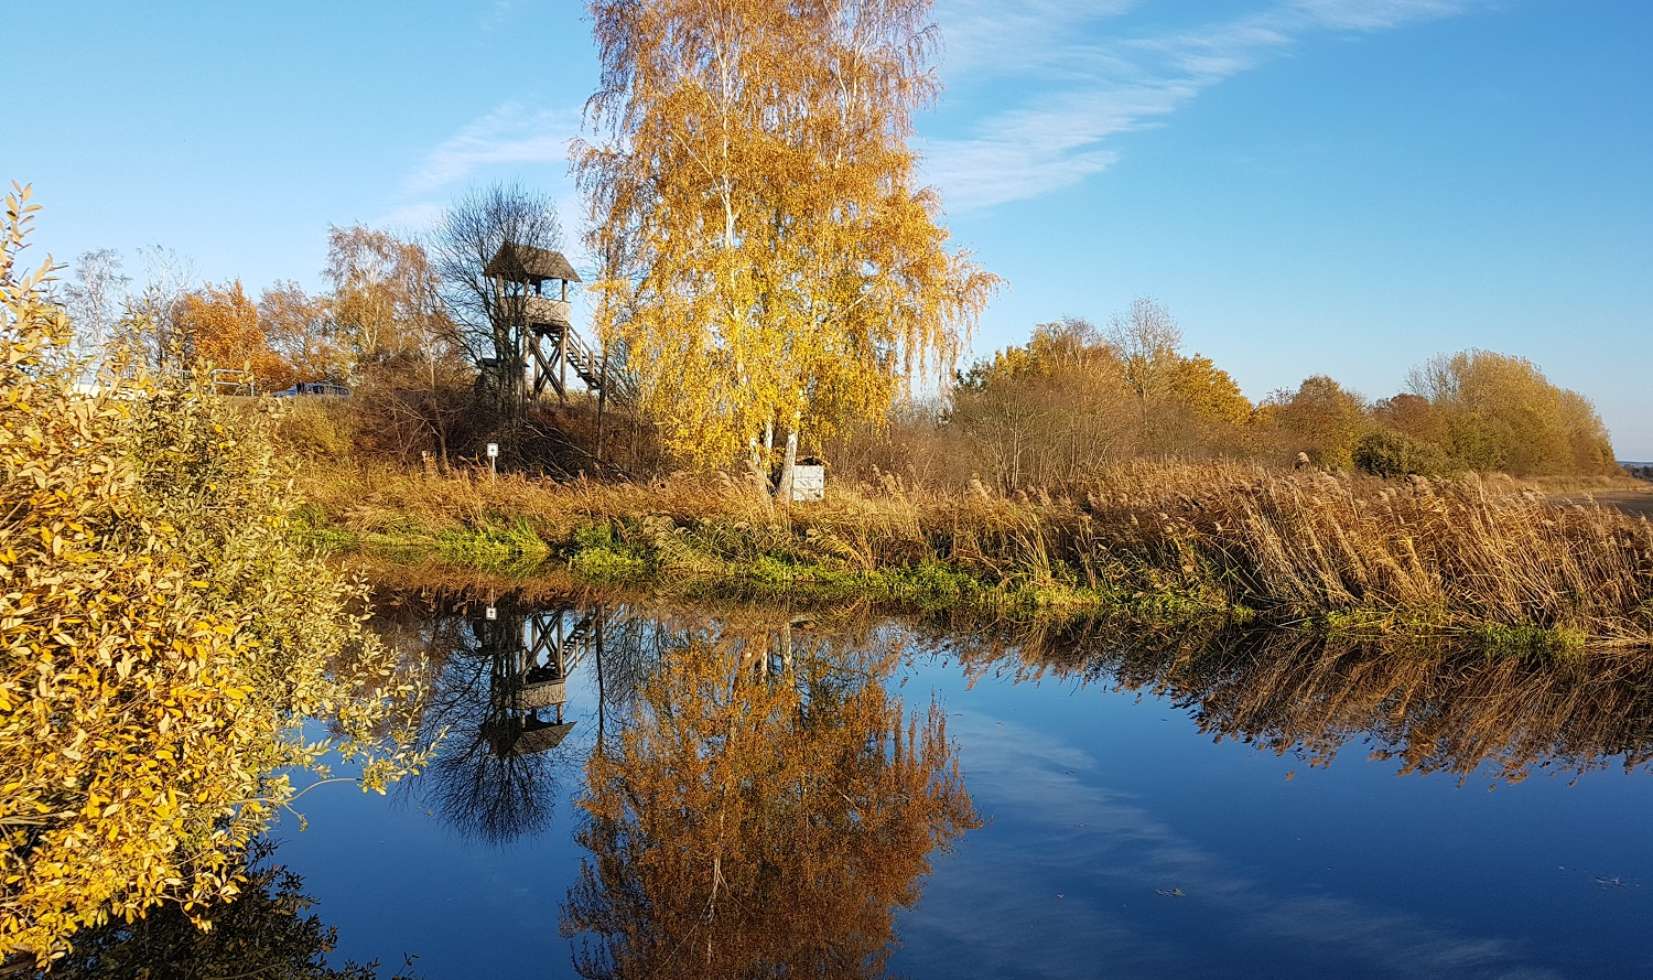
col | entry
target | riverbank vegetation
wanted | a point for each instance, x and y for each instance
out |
(163, 634)
(1356, 554)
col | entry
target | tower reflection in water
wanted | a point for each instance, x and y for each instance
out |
(499, 713)
(755, 800)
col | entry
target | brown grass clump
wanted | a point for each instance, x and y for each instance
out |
(1359, 553)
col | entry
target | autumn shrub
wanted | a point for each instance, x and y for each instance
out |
(1075, 398)
(161, 639)
(1500, 412)
(318, 428)
(1385, 452)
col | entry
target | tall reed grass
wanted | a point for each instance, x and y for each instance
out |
(1358, 554)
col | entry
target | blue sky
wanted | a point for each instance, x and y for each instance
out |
(1311, 186)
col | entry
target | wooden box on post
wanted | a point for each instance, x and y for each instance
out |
(808, 480)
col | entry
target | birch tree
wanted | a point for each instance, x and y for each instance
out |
(386, 297)
(93, 298)
(770, 263)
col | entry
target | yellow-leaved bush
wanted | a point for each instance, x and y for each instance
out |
(163, 640)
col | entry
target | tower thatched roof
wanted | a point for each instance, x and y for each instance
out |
(525, 263)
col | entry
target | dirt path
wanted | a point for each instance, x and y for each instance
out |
(1630, 502)
(1634, 502)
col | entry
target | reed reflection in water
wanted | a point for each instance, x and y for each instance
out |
(1430, 707)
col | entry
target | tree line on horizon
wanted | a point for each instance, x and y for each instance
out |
(1073, 397)
(1076, 396)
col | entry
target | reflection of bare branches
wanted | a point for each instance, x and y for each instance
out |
(1431, 708)
(494, 775)
(493, 796)
(488, 780)
(763, 810)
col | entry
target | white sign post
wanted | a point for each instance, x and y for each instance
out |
(493, 459)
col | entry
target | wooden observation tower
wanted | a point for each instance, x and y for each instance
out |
(552, 350)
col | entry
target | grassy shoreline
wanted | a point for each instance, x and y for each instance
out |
(925, 587)
(1477, 559)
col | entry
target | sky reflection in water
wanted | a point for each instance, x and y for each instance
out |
(1206, 805)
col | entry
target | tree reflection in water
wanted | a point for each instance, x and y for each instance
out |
(497, 712)
(267, 931)
(756, 802)
(763, 807)
(1431, 707)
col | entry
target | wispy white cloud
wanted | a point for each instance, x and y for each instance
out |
(496, 14)
(1108, 842)
(1371, 15)
(1080, 92)
(508, 140)
(509, 135)
(415, 218)
(996, 37)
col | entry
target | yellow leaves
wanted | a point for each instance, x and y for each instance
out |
(793, 277)
(127, 748)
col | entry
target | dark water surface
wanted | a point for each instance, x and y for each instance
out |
(1208, 805)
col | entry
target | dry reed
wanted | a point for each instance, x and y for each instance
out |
(1462, 554)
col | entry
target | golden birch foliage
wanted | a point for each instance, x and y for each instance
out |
(756, 822)
(161, 638)
(220, 327)
(300, 329)
(767, 257)
(385, 295)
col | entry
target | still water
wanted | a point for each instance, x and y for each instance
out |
(639, 793)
